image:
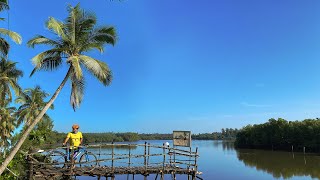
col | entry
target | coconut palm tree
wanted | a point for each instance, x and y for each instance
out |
(7, 124)
(32, 102)
(9, 75)
(4, 45)
(75, 36)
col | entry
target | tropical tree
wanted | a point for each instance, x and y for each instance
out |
(9, 75)
(4, 45)
(32, 102)
(77, 35)
(7, 124)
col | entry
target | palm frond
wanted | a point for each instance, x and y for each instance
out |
(98, 68)
(4, 5)
(4, 46)
(77, 91)
(75, 63)
(105, 34)
(52, 54)
(56, 26)
(12, 35)
(41, 40)
(15, 86)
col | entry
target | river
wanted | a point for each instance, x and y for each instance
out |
(220, 160)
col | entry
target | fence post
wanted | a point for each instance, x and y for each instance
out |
(129, 156)
(148, 154)
(71, 160)
(164, 160)
(112, 156)
(195, 165)
(145, 161)
(30, 162)
(145, 156)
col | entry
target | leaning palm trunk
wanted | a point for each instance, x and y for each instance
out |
(33, 124)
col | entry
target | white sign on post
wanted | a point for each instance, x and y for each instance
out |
(182, 138)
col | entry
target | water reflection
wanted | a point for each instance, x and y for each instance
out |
(281, 164)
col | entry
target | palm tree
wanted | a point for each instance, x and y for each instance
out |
(9, 75)
(32, 102)
(77, 35)
(4, 45)
(7, 124)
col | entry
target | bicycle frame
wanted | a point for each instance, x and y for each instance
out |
(76, 153)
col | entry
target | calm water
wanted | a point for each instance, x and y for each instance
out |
(219, 160)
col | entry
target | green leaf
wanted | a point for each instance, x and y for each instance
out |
(13, 35)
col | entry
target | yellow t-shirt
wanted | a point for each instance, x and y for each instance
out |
(75, 138)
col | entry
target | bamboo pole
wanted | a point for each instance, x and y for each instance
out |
(148, 154)
(145, 156)
(112, 157)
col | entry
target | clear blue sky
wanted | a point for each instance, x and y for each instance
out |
(186, 65)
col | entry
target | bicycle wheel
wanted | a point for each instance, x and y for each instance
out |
(54, 159)
(88, 160)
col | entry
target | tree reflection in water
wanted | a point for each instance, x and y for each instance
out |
(281, 164)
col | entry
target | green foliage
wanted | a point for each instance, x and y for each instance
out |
(131, 136)
(9, 75)
(282, 135)
(18, 166)
(39, 137)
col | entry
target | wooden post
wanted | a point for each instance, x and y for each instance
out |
(195, 165)
(164, 160)
(145, 161)
(190, 153)
(129, 156)
(148, 154)
(174, 156)
(112, 157)
(170, 158)
(99, 154)
(304, 150)
(30, 162)
(145, 156)
(129, 163)
(71, 160)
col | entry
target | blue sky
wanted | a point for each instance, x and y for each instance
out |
(186, 65)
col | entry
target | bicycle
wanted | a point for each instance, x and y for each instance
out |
(59, 159)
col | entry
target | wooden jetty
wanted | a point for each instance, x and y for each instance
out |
(121, 159)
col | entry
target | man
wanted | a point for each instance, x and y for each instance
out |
(76, 137)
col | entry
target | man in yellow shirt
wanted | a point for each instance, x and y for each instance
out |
(75, 136)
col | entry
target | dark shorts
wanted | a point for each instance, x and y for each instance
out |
(75, 150)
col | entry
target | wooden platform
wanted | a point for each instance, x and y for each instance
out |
(50, 173)
(166, 160)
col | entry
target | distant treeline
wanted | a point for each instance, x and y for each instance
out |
(281, 135)
(227, 133)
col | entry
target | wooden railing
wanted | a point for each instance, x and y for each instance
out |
(113, 159)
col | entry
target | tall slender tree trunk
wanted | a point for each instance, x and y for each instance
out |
(33, 124)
